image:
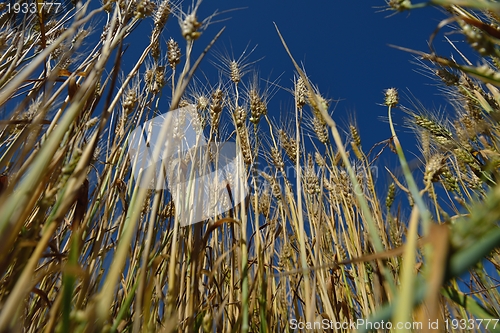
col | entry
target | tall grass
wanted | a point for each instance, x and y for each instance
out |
(86, 248)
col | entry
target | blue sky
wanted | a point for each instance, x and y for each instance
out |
(343, 46)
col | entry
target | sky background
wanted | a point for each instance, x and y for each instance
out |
(343, 46)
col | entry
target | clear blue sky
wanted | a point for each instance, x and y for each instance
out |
(343, 46)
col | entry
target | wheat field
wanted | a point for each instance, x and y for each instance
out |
(315, 243)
